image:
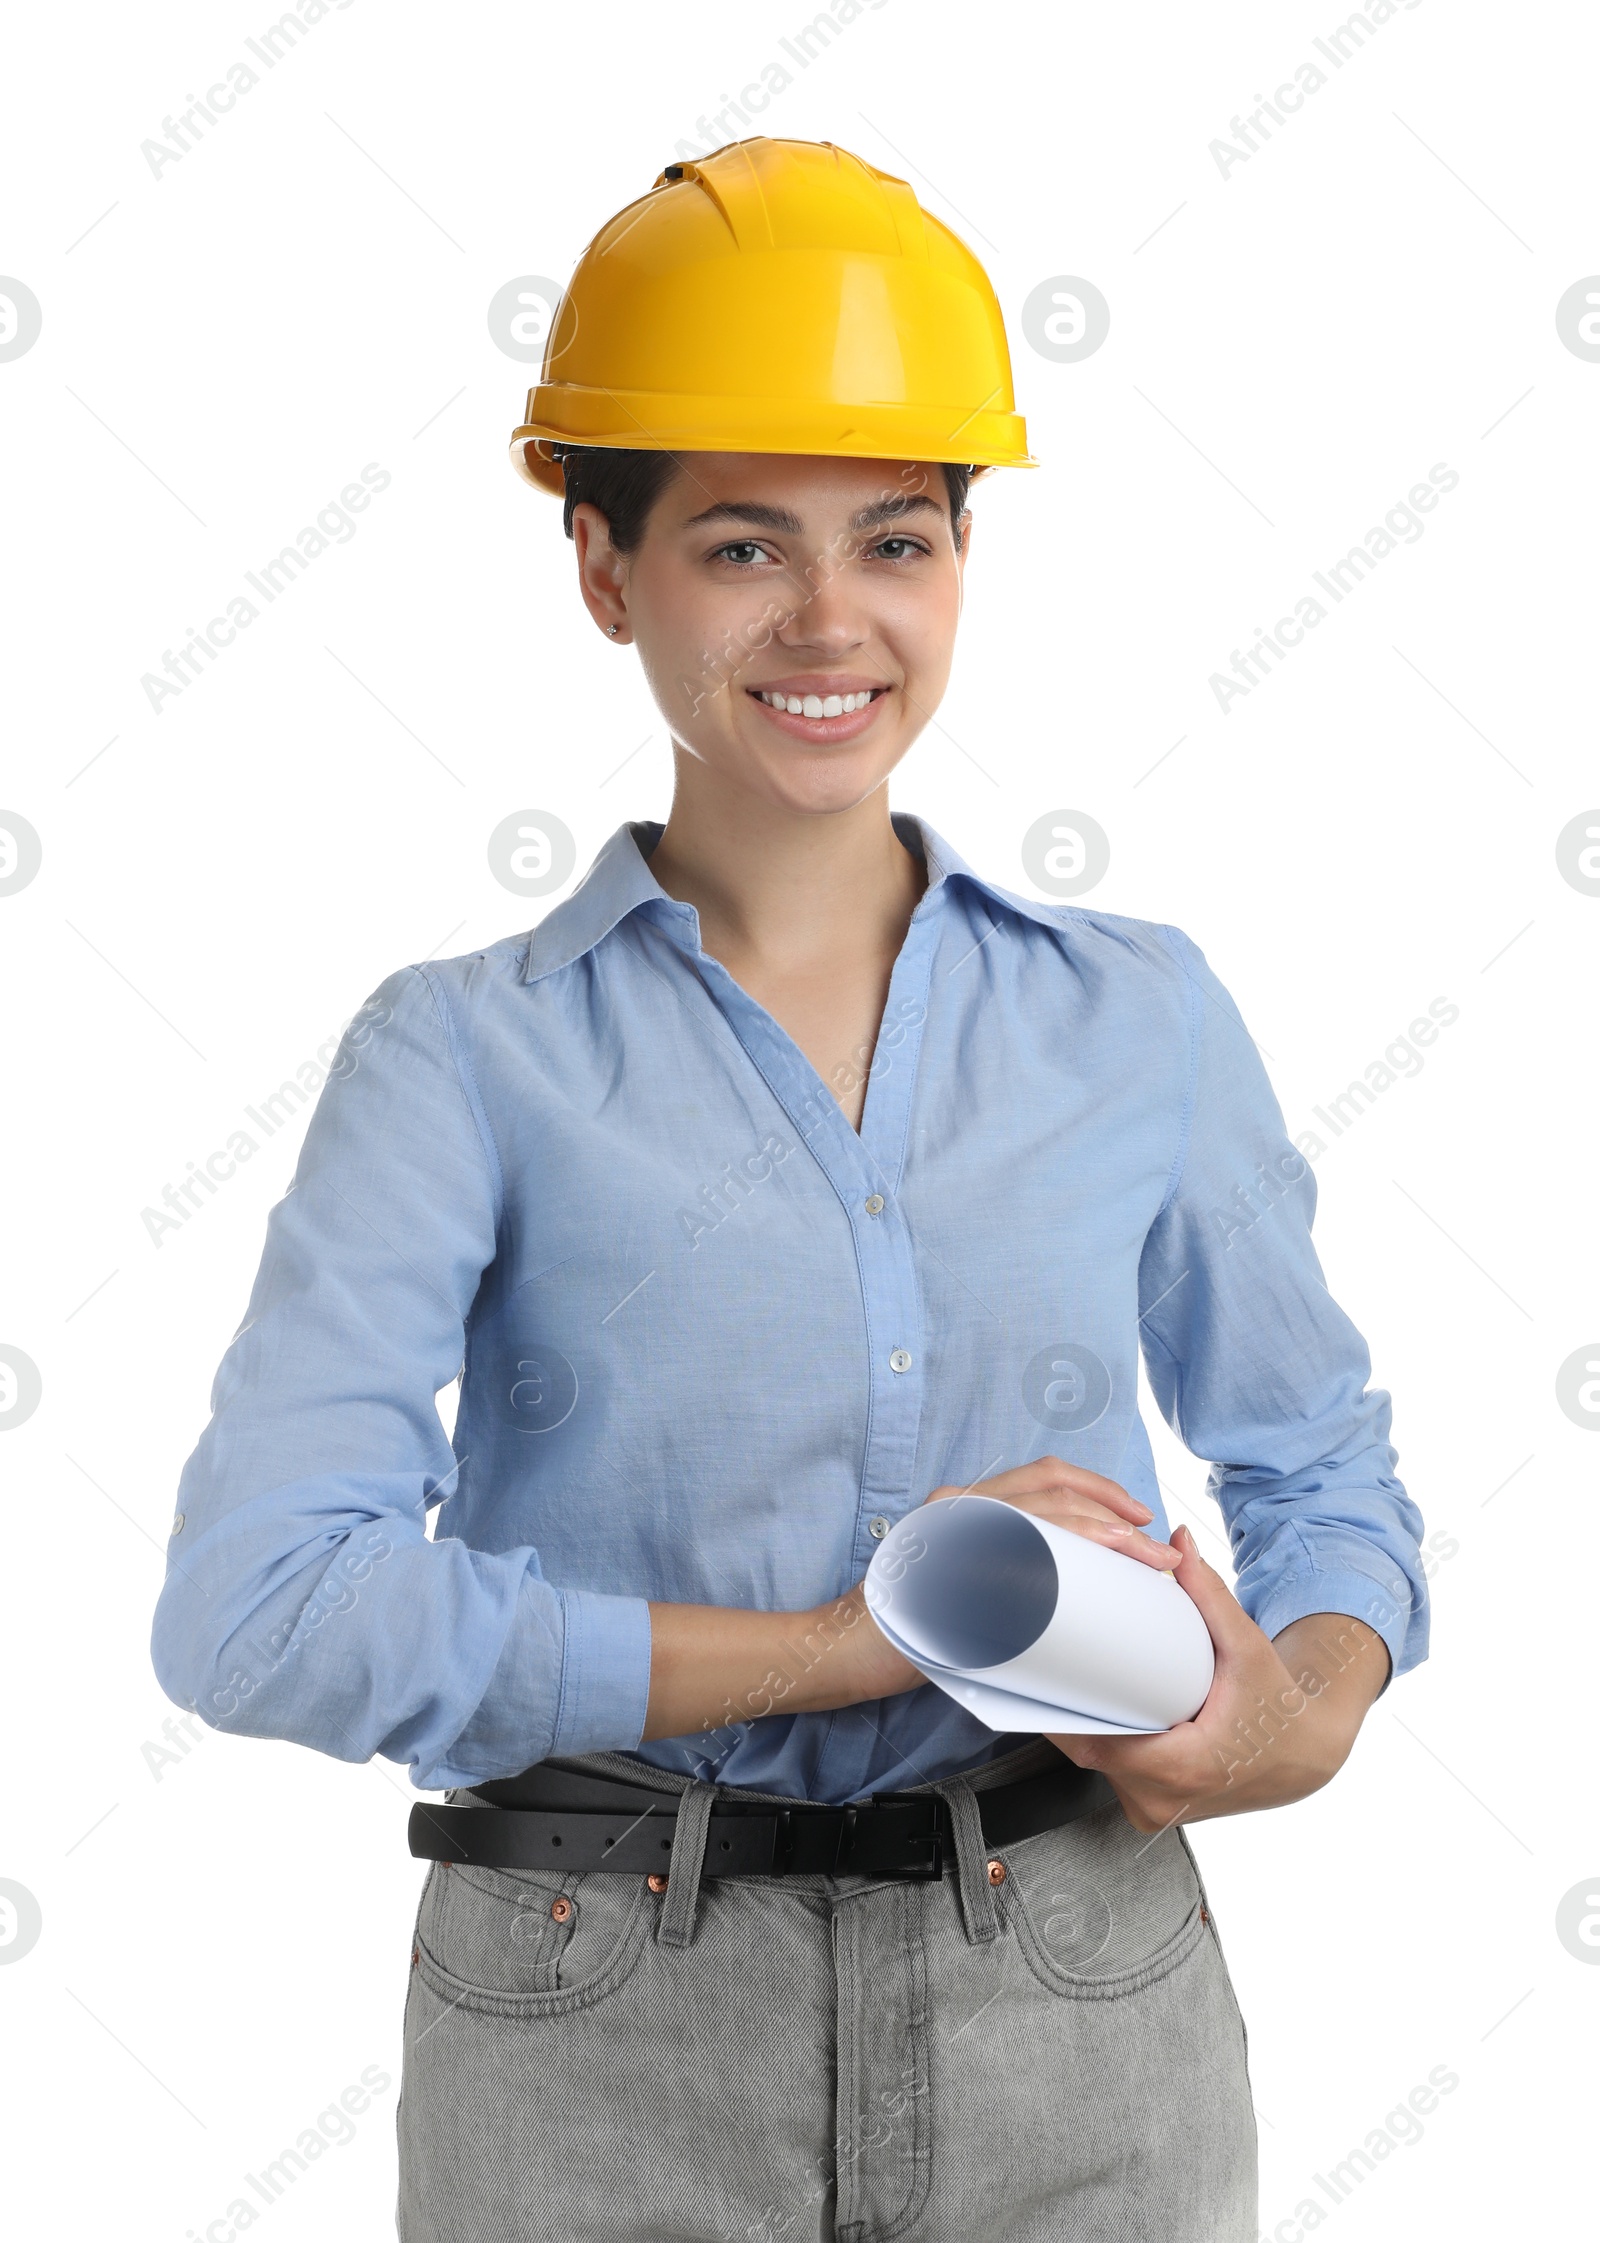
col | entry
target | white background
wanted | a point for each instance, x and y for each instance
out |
(1292, 347)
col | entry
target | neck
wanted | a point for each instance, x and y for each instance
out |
(788, 890)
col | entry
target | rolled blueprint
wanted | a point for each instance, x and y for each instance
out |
(1033, 1628)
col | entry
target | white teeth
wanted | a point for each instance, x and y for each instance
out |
(817, 705)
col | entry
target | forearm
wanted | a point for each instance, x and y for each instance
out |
(1339, 1666)
(711, 1665)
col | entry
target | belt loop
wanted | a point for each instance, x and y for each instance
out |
(978, 1911)
(676, 1925)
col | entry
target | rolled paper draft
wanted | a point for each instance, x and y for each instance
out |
(1033, 1628)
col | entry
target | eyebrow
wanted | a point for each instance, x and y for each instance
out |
(779, 518)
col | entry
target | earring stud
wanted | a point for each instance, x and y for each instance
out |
(614, 628)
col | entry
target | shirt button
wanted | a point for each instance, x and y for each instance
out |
(899, 1360)
(875, 1204)
(878, 1527)
(177, 1524)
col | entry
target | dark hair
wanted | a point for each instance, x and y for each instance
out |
(626, 485)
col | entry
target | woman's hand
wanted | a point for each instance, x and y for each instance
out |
(1068, 1496)
(1083, 1502)
(1278, 1721)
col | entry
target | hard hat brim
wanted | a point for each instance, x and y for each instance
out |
(636, 421)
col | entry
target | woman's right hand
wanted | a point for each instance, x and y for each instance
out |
(1068, 1495)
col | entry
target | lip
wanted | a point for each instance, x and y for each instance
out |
(820, 681)
(822, 731)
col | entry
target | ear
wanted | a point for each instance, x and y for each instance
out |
(602, 570)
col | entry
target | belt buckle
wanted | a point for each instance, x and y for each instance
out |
(857, 1819)
(931, 1838)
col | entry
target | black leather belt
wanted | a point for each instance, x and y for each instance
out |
(559, 1818)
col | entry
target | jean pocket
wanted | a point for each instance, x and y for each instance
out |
(529, 1942)
(1099, 1909)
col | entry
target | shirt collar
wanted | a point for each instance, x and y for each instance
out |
(620, 882)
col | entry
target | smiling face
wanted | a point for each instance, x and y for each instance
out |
(795, 615)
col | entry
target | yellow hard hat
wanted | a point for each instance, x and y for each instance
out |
(776, 296)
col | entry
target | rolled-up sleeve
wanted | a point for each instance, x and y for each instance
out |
(1257, 1369)
(303, 1597)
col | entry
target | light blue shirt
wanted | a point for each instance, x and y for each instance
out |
(713, 1343)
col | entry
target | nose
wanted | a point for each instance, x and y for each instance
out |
(828, 616)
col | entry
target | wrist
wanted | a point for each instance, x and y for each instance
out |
(819, 1648)
(850, 1661)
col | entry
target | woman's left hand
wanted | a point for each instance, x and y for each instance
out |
(1278, 1721)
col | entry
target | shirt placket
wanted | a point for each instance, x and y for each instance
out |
(864, 1170)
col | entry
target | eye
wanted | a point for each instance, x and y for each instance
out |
(913, 547)
(742, 553)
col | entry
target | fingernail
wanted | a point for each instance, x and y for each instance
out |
(1144, 1507)
(1118, 1526)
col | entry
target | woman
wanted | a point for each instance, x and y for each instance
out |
(789, 1174)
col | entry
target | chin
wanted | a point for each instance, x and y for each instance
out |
(824, 789)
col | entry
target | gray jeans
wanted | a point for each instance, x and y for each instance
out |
(1044, 2044)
